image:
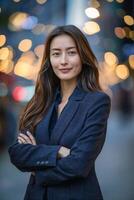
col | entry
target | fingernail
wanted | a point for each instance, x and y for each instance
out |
(28, 132)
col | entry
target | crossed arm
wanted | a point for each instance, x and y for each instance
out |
(75, 162)
(29, 139)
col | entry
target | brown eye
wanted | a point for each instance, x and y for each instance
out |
(72, 52)
(56, 54)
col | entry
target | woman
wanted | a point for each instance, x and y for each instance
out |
(63, 127)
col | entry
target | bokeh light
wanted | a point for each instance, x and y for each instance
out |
(16, 1)
(92, 12)
(110, 58)
(16, 20)
(119, 32)
(4, 53)
(91, 27)
(127, 31)
(122, 71)
(41, 1)
(19, 93)
(6, 66)
(39, 50)
(129, 20)
(27, 66)
(39, 28)
(131, 61)
(25, 45)
(110, 1)
(131, 35)
(2, 40)
(120, 1)
(94, 3)
(30, 22)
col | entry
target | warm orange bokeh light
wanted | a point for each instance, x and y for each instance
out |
(119, 32)
(110, 58)
(131, 61)
(122, 71)
(91, 27)
(25, 45)
(2, 40)
(128, 20)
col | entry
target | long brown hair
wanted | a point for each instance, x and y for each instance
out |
(47, 81)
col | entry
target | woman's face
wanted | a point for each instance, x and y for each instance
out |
(64, 58)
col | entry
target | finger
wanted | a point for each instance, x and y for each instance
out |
(31, 138)
(26, 138)
(21, 140)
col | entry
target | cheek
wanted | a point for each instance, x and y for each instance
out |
(78, 69)
(53, 63)
(78, 66)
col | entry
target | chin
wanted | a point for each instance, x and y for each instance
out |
(66, 77)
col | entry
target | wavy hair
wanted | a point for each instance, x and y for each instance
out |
(47, 81)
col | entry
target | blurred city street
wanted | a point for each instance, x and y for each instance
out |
(108, 27)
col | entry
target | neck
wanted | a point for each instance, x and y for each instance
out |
(67, 88)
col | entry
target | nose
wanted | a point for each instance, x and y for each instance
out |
(64, 59)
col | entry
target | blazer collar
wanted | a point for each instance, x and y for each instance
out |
(67, 115)
(77, 94)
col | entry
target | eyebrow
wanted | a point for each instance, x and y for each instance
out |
(58, 49)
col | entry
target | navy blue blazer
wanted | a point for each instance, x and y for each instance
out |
(80, 127)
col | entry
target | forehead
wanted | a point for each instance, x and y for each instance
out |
(62, 41)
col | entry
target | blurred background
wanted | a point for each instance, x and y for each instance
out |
(108, 26)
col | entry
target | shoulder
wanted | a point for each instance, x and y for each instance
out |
(97, 95)
(97, 98)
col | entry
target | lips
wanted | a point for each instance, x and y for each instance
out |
(65, 70)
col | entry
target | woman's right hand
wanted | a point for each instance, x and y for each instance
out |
(63, 152)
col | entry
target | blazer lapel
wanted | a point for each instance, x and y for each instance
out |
(67, 114)
(42, 132)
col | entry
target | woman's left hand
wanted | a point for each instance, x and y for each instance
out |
(26, 139)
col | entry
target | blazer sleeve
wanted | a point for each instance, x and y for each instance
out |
(28, 157)
(86, 148)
